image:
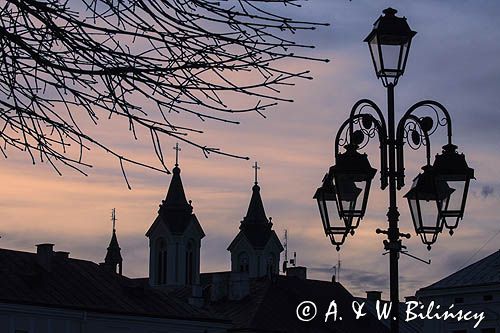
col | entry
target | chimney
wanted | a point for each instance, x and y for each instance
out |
(44, 253)
(297, 271)
(373, 295)
(334, 278)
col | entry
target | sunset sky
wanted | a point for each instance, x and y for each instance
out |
(454, 59)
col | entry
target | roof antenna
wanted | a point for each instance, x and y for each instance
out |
(285, 246)
(177, 150)
(338, 266)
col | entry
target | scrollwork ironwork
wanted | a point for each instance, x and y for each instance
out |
(415, 130)
(368, 126)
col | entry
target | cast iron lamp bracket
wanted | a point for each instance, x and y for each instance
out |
(415, 131)
(359, 128)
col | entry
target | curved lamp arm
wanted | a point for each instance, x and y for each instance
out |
(365, 121)
(446, 121)
(426, 127)
(362, 103)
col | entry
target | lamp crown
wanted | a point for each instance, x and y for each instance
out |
(389, 43)
(390, 11)
(451, 162)
(352, 162)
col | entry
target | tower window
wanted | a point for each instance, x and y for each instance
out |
(271, 262)
(161, 257)
(190, 262)
(243, 262)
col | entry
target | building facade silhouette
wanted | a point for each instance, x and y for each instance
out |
(475, 288)
(49, 292)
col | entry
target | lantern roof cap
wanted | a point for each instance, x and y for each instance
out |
(327, 189)
(353, 162)
(390, 24)
(426, 187)
(450, 162)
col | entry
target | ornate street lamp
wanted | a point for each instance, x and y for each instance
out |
(438, 195)
(389, 43)
(334, 227)
(451, 168)
(352, 176)
(426, 199)
(343, 196)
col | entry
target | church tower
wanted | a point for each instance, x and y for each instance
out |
(113, 259)
(256, 249)
(175, 238)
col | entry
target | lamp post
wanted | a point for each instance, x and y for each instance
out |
(438, 194)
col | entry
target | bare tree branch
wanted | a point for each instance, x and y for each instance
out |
(139, 60)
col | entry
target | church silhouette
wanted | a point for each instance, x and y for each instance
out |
(48, 291)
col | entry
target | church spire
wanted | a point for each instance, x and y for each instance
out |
(256, 249)
(255, 213)
(176, 198)
(175, 211)
(175, 238)
(113, 257)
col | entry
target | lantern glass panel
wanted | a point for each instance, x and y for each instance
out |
(323, 213)
(327, 206)
(404, 55)
(415, 214)
(322, 210)
(391, 58)
(454, 207)
(349, 191)
(430, 215)
(377, 62)
(333, 215)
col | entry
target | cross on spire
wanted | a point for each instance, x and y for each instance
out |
(113, 219)
(177, 150)
(257, 168)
